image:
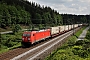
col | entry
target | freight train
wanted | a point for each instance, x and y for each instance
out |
(31, 37)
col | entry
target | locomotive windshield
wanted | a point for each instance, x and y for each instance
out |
(26, 35)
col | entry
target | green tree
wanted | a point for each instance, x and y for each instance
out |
(16, 28)
(84, 19)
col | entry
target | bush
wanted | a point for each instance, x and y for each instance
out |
(77, 50)
(11, 41)
(3, 37)
(16, 28)
(86, 46)
(77, 47)
(3, 47)
(88, 50)
(79, 42)
(88, 35)
(83, 53)
(71, 41)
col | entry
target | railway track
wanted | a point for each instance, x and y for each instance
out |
(36, 52)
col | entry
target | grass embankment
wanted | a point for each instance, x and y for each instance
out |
(10, 41)
(73, 49)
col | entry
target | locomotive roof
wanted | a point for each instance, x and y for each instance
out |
(35, 31)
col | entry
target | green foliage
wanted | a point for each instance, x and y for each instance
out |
(16, 28)
(83, 53)
(71, 40)
(40, 26)
(10, 40)
(77, 47)
(79, 42)
(16, 13)
(88, 35)
(77, 50)
(10, 14)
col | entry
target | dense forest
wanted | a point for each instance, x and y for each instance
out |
(31, 13)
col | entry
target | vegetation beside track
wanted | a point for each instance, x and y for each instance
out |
(10, 41)
(73, 49)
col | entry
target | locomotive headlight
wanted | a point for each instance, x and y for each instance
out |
(28, 38)
(22, 38)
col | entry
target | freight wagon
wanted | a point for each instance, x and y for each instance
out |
(61, 29)
(54, 31)
(66, 28)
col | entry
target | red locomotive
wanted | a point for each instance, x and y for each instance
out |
(31, 37)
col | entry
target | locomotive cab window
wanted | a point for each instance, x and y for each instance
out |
(26, 35)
